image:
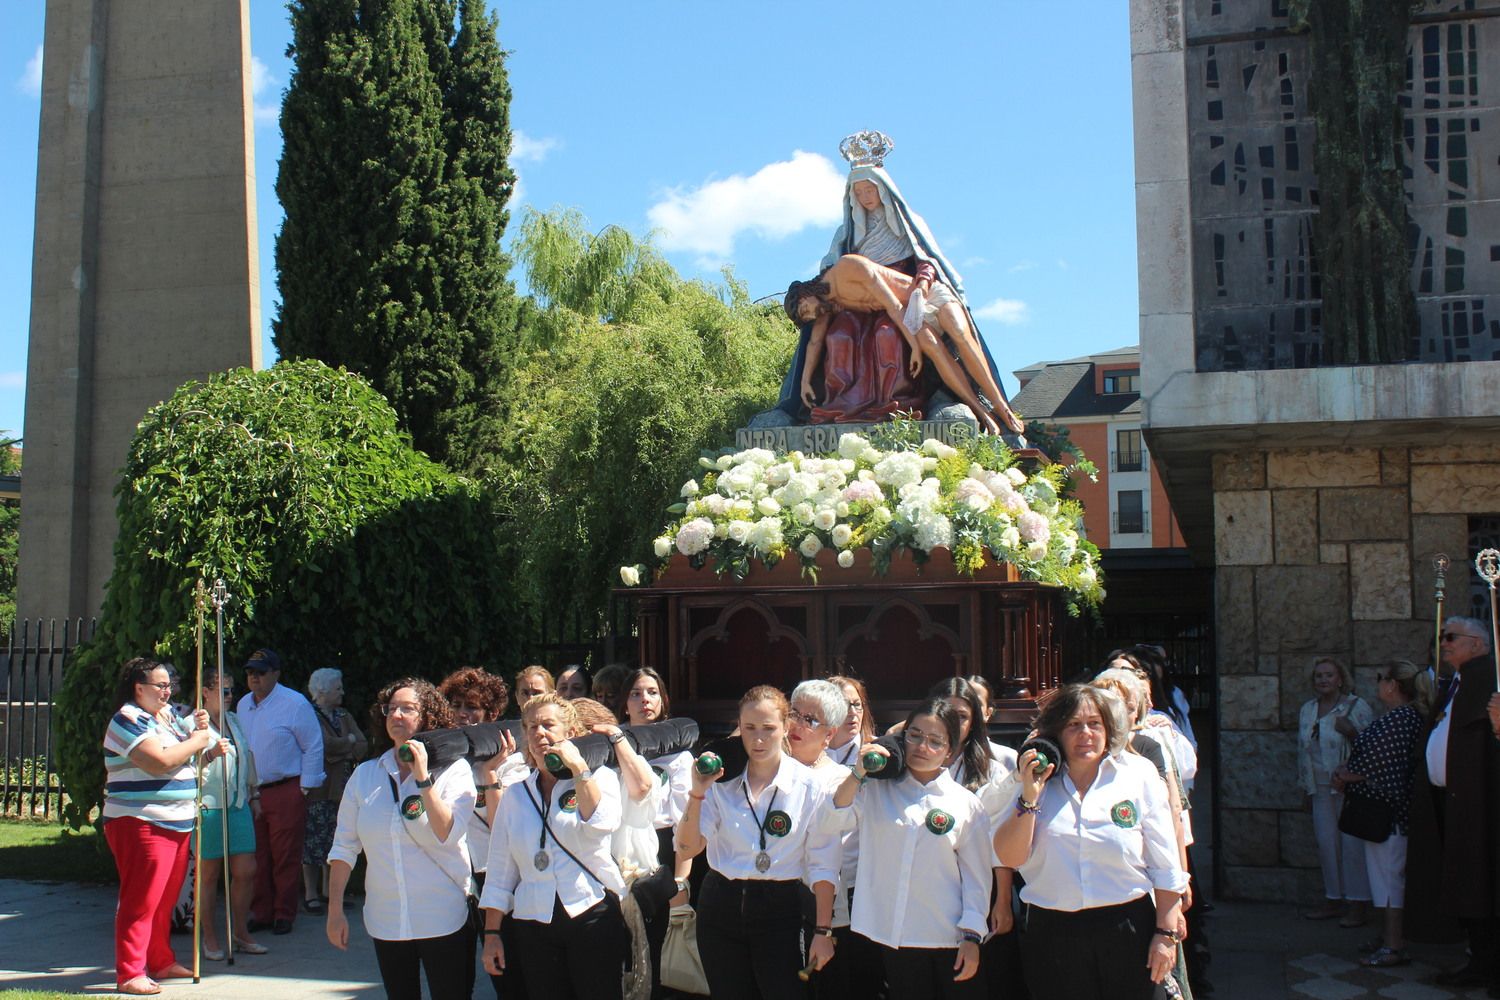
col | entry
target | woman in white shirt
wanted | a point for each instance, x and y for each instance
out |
(1099, 856)
(1326, 729)
(550, 871)
(410, 824)
(924, 863)
(856, 971)
(765, 834)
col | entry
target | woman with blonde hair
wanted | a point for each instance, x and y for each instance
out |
(1326, 729)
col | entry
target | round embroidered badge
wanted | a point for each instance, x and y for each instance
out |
(939, 822)
(1123, 814)
(569, 801)
(778, 823)
(412, 807)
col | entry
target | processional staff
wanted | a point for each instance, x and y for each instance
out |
(1487, 565)
(200, 604)
(221, 598)
(1440, 581)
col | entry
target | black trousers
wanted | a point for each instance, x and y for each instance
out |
(927, 974)
(856, 972)
(448, 962)
(510, 985)
(750, 938)
(1001, 955)
(573, 958)
(653, 894)
(1094, 954)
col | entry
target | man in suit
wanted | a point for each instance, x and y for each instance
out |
(1452, 863)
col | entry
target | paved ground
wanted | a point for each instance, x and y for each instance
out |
(59, 936)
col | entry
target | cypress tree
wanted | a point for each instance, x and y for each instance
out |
(394, 180)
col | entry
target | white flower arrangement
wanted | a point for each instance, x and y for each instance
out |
(886, 492)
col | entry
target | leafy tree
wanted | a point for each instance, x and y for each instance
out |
(10, 535)
(629, 371)
(394, 177)
(338, 542)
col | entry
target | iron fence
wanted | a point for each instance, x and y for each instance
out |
(32, 671)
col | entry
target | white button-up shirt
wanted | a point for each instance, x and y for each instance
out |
(513, 884)
(634, 843)
(921, 885)
(808, 851)
(1437, 748)
(417, 886)
(284, 736)
(991, 790)
(1105, 847)
(512, 770)
(678, 768)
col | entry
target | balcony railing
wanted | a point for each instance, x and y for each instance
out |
(1128, 461)
(1132, 524)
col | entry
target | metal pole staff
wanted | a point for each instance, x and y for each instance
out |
(1440, 582)
(221, 598)
(1487, 565)
(200, 596)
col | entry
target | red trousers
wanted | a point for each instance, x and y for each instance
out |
(278, 852)
(152, 862)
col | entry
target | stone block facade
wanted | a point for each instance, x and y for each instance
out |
(1321, 552)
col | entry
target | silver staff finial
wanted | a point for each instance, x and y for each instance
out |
(1487, 565)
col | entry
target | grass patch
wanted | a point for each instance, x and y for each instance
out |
(35, 995)
(51, 852)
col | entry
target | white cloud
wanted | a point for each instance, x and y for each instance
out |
(971, 262)
(1022, 265)
(530, 149)
(776, 201)
(12, 380)
(261, 80)
(1062, 265)
(1006, 311)
(30, 80)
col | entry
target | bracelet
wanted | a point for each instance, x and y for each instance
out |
(490, 932)
(1023, 807)
(426, 782)
(825, 931)
(493, 786)
(695, 795)
(969, 937)
(1172, 936)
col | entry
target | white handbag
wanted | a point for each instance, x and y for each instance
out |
(681, 968)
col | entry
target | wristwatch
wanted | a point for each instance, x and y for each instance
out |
(682, 885)
(427, 782)
(823, 931)
(584, 775)
(615, 737)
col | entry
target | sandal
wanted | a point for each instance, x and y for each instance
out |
(1384, 958)
(140, 986)
(213, 954)
(312, 905)
(250, 948)
(1371, 946)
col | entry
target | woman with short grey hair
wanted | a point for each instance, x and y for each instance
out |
(344, 746)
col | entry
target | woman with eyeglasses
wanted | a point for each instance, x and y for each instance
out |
(410, 824)
(237, 814)
(343, 747)
(856, 971)
(1327, 726)
(551, 871)
(1382, 766)
(924, 863)
(859, 725)
(150, 793)
(766, 835)
(1093, 840)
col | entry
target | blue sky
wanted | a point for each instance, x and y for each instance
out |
(717, 126)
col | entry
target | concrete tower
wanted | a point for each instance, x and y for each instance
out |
(144, 267)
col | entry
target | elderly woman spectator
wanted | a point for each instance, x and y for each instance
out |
(1096, 848)
(150, 794)
(230, 800)
(1327, 727)
(410, 824)
(1381, 767)
(343, 747)
(551, 872)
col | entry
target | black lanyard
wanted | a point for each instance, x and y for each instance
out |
(541, 841)
(760, 824)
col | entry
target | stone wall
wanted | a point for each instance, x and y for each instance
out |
(1321, 551)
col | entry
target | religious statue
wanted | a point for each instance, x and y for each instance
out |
(893, 301)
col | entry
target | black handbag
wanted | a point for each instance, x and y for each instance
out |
(1365, 818)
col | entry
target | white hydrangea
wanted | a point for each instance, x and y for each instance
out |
(810, 546)
(852, 446)
(846, 466)
(755, 456)
(1035, 528)
(693, 537)
(1036, 551)
(662, 547)
(740, 479)
(716, 504)
(1016, 476)
(689, 488)
(778, 474)
(871, 455)
(937, 449)
(765, 535)
(1010, 539)
(721, 530)
(842, 535)
(975, 494)
(899, 468)
(934, 531)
